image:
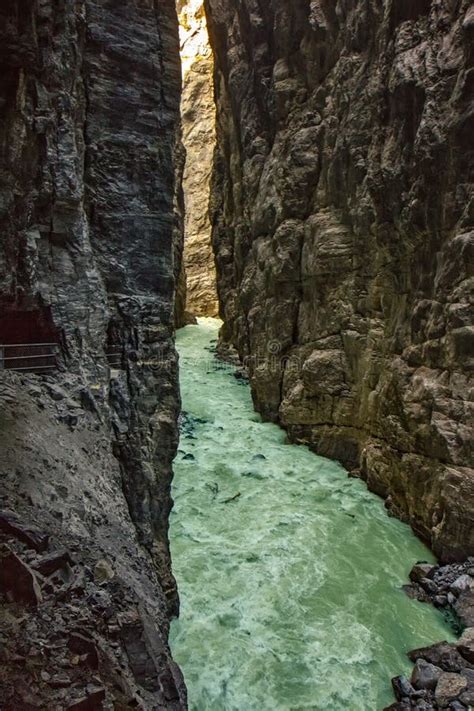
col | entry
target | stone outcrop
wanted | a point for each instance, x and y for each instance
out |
(443, 677)
(198, 122)
(342, 213)
(90, 249)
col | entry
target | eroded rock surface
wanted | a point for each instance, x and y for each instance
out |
(198, 121)
(89, 151)
(342, 211)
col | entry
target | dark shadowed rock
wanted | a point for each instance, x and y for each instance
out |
(49, 564)
(17, 580)
(402, 688)
(399, 706)
(421, 571)
(11, 524)
(91, 702)
(84, 646)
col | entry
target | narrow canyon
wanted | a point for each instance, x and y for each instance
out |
(236, 271)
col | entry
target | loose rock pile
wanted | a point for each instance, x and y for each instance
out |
(443, 676)
(71, 635)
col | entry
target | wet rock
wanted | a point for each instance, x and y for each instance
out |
(17, 580)
(442, 655)
(416, 592)
(399, 706)
(465, 645)
(31, 536)
(449, 687)
(422, 571)
(402, 688)
(142, 643)
(429, 586)
(168, 685)
(425, 675)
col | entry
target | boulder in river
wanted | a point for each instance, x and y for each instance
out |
(449, 687)
(465, 646)
(425, 675)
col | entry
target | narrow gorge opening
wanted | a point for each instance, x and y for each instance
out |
(199, 138)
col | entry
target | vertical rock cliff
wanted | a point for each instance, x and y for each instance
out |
(89, 150)
(198, 120)
(342, 212)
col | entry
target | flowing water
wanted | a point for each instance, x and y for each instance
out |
(290, 593)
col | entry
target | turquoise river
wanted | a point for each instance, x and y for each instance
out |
(290, 593)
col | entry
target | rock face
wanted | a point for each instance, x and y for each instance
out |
(198, 121)
(89, 214)
(342, 214)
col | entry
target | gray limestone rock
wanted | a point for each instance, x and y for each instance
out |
(90, 252)
(343, 230)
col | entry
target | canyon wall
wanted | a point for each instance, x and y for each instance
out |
(198, 121)
(89, 253)
(342, 214)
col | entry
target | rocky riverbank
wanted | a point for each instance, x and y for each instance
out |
(443, 676)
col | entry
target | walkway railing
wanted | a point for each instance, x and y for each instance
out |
(29, 357)
(114, 358)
